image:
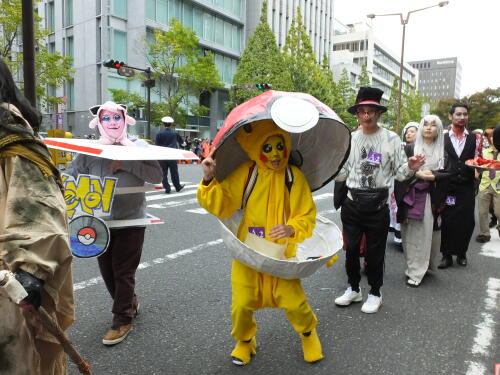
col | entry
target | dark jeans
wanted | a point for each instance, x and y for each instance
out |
(118, 265)
(375, 225)
(174, 173)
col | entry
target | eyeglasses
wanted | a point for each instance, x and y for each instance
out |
(363, 113)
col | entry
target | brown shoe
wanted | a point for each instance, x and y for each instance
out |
(116, 334)
(481, 238)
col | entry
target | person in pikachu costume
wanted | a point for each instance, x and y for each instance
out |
(283, 217)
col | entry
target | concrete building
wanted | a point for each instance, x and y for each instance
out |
(439, 78)
(317, 16)
(355, 45)
(92, 31)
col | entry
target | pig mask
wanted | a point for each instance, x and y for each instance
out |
(112, 121)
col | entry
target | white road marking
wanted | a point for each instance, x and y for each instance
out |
(485, 329)
(200, 211)
(188, 185)
(173, 203)
(320, 197)
(143, 265)
(492, 247)
(169, 196)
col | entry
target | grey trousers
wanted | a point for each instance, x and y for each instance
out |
(485, 198)
(421, 244)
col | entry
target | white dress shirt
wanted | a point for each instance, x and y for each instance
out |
(458, 144)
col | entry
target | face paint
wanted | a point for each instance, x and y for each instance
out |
(112, 122)
(273, 152)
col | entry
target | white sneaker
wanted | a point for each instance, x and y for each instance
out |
(372, 304)
(349, 297)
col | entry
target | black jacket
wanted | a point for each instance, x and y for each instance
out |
(455, 166)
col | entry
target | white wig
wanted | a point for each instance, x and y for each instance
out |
(434, 153)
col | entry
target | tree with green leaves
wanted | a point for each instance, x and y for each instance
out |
(336, 100)
(135, 101)
(261, 62)
(299, 56)
(484, 108)
(348, 96)
(389, 118)
(364, 78)
(412, 103)
(184, 72)
(52, 69)
(307, 75)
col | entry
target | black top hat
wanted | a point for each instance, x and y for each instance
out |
(368, 96)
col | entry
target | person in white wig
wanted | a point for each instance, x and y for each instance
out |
(421, 202)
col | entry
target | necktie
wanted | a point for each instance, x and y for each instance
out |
(492, 173)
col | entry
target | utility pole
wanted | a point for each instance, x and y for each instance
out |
(148, 83)
(28, 30)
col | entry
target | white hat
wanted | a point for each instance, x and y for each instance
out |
(294, 115)
(167, 119)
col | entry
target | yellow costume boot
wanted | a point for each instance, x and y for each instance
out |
(311, 347)
(243, 351)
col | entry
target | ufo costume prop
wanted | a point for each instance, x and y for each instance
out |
(257, 188)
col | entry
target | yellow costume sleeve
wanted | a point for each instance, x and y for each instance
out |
(222, 199)
(302, 208)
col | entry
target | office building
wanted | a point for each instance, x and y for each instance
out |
(355, 45)
(92, 31)
(439, 78)
(317, 16)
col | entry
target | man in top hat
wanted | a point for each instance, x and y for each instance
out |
(169, 138)
(376, 158)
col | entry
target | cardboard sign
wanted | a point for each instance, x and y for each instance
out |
(88, 195)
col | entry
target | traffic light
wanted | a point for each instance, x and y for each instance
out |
(122, 68)
(263, 86)
(113, 64)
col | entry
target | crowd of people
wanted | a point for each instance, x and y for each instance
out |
(423, 179)
(200, 146)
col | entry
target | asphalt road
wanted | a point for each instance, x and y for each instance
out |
(449, 325)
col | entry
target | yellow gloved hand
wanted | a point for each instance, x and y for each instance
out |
(332, 260)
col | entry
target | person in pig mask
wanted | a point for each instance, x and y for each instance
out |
(119, 263)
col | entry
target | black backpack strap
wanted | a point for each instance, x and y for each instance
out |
(289, 178)
(251, 180)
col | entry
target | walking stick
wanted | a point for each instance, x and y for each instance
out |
(15, 290)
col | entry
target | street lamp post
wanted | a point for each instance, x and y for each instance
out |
(404, 22)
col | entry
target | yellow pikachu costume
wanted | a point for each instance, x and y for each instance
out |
(270, 204)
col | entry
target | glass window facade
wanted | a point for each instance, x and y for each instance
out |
(226, 66)
(70, 47)
(51, 16)
(119, 45)
(68, 9)
(151, 9)
(385, 59)
(386, 89)
(120, 8)
(207, 26)
(70, 95)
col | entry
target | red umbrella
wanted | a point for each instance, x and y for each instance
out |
(320, 151)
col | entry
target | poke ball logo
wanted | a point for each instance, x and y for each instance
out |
(87, 236)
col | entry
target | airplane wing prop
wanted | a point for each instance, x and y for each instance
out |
(118, 152)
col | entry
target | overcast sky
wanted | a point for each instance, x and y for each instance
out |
(467, 29)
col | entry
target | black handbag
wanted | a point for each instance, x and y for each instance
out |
(369, 200)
